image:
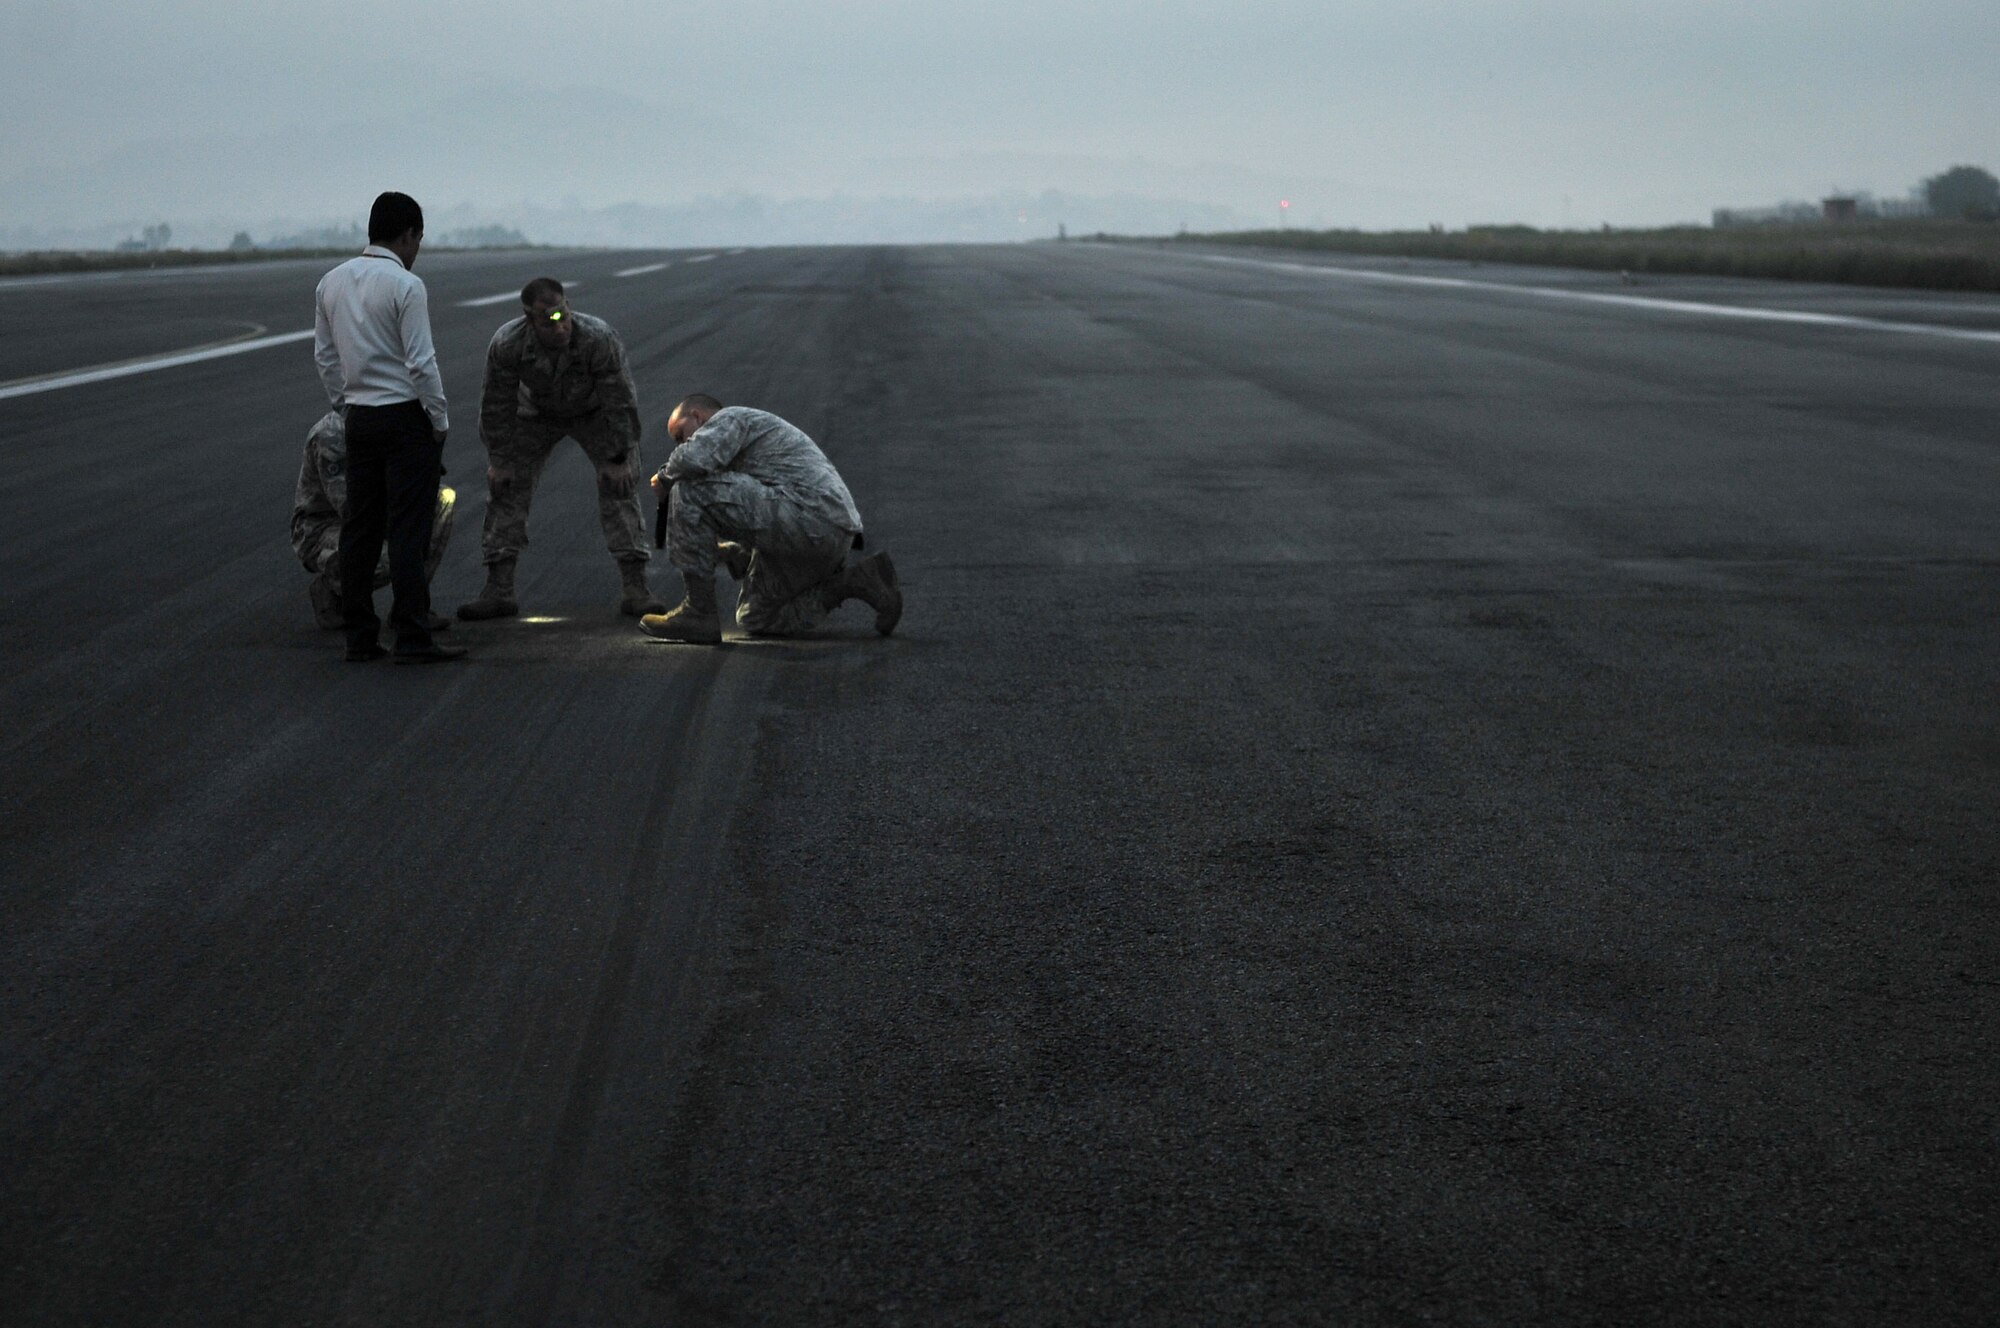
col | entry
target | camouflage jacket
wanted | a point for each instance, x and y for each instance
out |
(322, 482)
(524, 381)
(774, 451)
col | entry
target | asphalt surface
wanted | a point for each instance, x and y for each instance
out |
(1389, 804)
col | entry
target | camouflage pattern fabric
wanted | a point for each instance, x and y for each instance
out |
(749, 476)
(517, 463)
(793, 551)
(757, 443)
(527, 381)
(322, 492)
(530, 400)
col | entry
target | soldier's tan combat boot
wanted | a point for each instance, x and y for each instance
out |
(873, 582)
(638, 599)
(694, 619)
(497, 599)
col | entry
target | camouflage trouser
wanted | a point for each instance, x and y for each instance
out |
(792, 552)
(521, 459)
(318, 546)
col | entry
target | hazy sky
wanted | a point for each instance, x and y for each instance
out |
(1370, 112)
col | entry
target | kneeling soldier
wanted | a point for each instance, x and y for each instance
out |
(316, 522)
(754, 492)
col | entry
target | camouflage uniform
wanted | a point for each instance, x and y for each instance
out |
(531, 400)
(750, 477)
(316, 511)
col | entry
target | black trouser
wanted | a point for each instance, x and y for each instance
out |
(393, 464)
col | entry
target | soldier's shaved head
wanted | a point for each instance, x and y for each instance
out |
(542, 290)
(692, 412)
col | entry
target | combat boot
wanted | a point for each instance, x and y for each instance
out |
(694, 619)
(873, 582)
(638, 599)
(497, 599)
(325, 596)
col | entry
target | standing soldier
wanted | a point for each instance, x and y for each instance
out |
(553, 374)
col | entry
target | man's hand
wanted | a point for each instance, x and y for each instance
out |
(659, 485)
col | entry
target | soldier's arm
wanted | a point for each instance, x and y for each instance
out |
(711, 448)
(330, 463)
(499, 393)
(615, 390)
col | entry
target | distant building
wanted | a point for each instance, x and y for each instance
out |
(1916, 205)
(1859, 205)
(1791, 214)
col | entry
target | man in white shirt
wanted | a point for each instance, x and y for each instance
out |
(372, 341)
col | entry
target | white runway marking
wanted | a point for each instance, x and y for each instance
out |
(515, 295)
(698, 258)
(639, 271)
(126, 368)
(56, 279)
(1739, 311)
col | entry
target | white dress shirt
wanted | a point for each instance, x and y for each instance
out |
(372, 336)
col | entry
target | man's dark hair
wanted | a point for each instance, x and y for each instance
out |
(393, 214)
(699, 401)
(541, 288)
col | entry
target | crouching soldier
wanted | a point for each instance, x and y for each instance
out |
(316, 510)
(752, 491)
(553, 374)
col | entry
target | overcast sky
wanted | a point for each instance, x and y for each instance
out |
(1370, 112)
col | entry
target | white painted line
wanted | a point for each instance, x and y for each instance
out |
(639, 271)
(104, 372)
(733, 252)
(1739, 311)
(58, 279)
(514, 295)
(698, 258)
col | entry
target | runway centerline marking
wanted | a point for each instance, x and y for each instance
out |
(1752, 313)
(640, 271)
(22, 387)
(698, 258)
(568, 286)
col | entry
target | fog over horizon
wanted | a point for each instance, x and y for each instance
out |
(698, 121)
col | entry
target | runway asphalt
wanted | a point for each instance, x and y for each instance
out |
(1400, 796)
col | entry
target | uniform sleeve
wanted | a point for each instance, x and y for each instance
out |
(325, 354)
(615, 390)
(330, 464)
(711, 448)
(499, 393)
(420, 355)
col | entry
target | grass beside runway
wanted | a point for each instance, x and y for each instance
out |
(1934, 255)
